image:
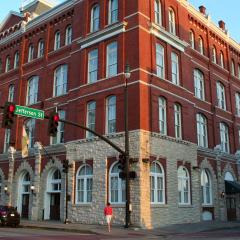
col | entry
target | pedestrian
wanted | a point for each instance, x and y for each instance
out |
(108, 212)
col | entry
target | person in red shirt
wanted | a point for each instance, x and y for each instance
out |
(108, 212)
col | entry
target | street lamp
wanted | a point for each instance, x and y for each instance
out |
(127, 75)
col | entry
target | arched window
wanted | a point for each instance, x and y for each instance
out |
(11, 93)
(113, 11)
(221, 99)
(200, 45)
(158, 12)
(57, 40)
(8, 64)
(91, 118)
(30, 52)
(30, 130)
(172, 21)
(214, 55)
(16, 60)
(221, 59)
(162, 106)
(111, 114)
(95, 18)
(25, 184)
(157, 183)
(192, 39)
(68, 35)
(183, 186)
(32, 90)
(237, 100)
(40, 48)
(160, 61)
(84, 184)
(178, 121)
(224, 137)
(60, 80)
(233, 67)
(199, 84)
(117, 185)
(175, 68)
(228, 177)
(54, 184)
(202, 135)
(206, 187)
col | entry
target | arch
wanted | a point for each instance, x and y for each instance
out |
(206, 187)
(183, 186)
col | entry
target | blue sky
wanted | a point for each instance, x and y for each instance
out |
(226, 10)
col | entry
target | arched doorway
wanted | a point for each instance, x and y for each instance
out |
(53, 195)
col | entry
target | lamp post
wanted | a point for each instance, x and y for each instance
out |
(127, 75)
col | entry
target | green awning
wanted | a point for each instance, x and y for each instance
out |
(232, 187)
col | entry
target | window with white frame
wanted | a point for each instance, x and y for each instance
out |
(224, 137)
(178, 121)
(16, 60)
(160, 61)
(7, 140)
(32, 90)
(11, 93)
(112, 59)
(93, 66)
(30, 130)
(202, 134)
(233, 67)
(59, 138)
(200, 45)
(175, 68)
(8, 64)
(84, 181)
(199, 84)
(214, 55)
(40, 48)
(55, 181)
(157, 183)
(60, 80)
(206, 187)
(237, 99)
(30, 52)
(95, 13)
(113, 11)
(221, 100)
(239, 71)
(91, 118)
(117, 185)
(68, 35)
(57, 40)
(221, 59)
(183, 186)
(111, 114)
(192, 39)
(162, 106)
(158, 12)
(172, 21)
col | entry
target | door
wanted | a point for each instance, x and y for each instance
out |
(25, 205)
(231, 208)
(55, 206)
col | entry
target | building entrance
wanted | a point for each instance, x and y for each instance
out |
(231, 208)
(55, 206)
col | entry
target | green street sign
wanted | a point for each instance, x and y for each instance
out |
(29, 112)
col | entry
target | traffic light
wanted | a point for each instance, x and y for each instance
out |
(65, 165)
(121, 166)
(53, 124)
(8, 115)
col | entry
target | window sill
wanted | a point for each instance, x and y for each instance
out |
(159, 205)
(207, 205)
(117, 205)
(82, 204)
(185, 206)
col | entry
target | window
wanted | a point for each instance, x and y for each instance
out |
(221, 96)
(25, 184)
(113, 11)
(183, 186)
(192, 39)
(111, 114)
(237, 99)
(158, 12)
(175, 68)
(11, 93)
(16, 60)
(30, 130)
(171, 20)
(178, 121)
(200, 45)
(206, 187)
(239, 71)
(60, 80)
(157, 183)
(199, 84)
(55, 181)
(57, 40)
(93, 66)
(40, 48)
(7, 67)
(112, 59)
(84, 184)
(7, 140)
(160, 61)
(95, 18)
(202, 135)
(162, 115)
(68, 35)
(214, 55)
(221, 59)
(60, 131)
(32, 90)
(91, 118)
(30, 53)
(117, 185)
(224, 137)
(233, 67)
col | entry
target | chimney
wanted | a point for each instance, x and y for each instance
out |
(221, 24)
(202, 10)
